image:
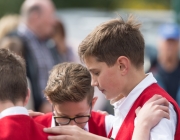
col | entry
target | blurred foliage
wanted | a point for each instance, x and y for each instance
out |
(103, 4)
(176, 6)
(145, 4)
(114, 4)
(13, 6)
(9, 6)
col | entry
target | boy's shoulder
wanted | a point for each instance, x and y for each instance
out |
(96, 113)
(97, 118)
(97, 124)
(155, 89)
(16, 124)
(44, 120)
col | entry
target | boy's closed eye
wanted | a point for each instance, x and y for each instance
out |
(96, 73)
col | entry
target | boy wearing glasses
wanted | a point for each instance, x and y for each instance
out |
(15, 123)
(70, 92)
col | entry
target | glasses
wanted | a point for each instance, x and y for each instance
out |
(66, 120)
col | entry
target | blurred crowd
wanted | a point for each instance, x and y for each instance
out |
(40, 38)
(165, 65)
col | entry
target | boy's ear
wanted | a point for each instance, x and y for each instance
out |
(94, 101)
(123, 64)
(47, 98)
(27, 97)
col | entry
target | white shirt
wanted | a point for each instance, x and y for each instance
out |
(108, 123)
(164, 130)
(17, 110)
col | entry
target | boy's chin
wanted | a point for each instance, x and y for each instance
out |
(110, 98)
(119, 97)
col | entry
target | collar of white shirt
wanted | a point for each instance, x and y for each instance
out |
(17, 110)
(123, 106)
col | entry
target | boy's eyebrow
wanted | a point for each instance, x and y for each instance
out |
(81, 114)
(93, 69)
(61, 114)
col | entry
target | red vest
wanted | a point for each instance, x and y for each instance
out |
(96, 122)
(21, 127)
(126, 130)
(45, 120)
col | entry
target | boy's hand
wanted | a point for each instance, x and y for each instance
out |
(152, 112)
(66, 132)
(33, 114)
(70, 132)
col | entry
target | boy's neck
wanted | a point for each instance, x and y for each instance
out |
(7, 104)
(119, 97)
(134, 78)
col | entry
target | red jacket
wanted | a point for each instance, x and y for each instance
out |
(21, 127)
(126, 130)
(96, 122)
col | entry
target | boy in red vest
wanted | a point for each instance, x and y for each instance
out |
(114, 55)
(15, 123)
(70, 92)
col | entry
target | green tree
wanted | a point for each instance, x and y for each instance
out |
(103, 4)
(13, 6)
(9, 6)
(176, 8)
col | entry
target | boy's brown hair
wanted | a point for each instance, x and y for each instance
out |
(13, 83)
(69, 82)
(113, 39)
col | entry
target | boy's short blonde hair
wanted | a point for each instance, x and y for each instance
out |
(113, 39)
(69, 82)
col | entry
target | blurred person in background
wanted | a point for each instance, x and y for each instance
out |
(35, 30)
(14, 44)
(167, 66)
(8, 23)
(61, 51)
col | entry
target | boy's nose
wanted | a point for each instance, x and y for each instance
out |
(72, 122)
(94, 83)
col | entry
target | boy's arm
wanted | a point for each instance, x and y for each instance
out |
(165, 129)
(153, 111)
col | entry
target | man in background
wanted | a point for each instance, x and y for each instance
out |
(35, 30)
(167, 66)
